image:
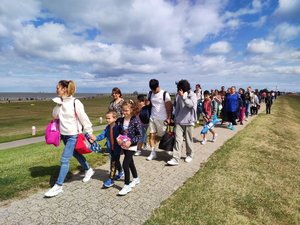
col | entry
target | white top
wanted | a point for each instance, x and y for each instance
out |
(68, 123)
(199, 94)
(158, 110)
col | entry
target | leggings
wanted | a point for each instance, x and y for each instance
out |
(114, 165)
(128, 165)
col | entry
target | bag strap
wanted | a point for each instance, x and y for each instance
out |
(76, 116)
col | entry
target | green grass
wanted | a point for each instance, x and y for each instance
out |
(253, 179)
(17, 118)
(24, 170)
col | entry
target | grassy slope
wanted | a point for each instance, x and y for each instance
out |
(25, 169)
(253, 179)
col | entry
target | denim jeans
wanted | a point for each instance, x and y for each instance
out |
(144, 133)
(248, 110)
(70, 142)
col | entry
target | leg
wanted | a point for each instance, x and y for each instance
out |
(70, 142)
(189, 140)
(132, 165)
(178, 142)
(126, 165)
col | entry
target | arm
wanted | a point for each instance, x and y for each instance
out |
(189, 100)
(102, 135)
(83, 117)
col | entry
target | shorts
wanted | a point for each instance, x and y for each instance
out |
(157, 126)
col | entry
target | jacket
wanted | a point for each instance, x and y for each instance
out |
(185, 109)
(106, 134)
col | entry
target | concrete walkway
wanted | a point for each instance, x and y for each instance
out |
(87, 203)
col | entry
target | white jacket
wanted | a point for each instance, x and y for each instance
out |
(68, 123)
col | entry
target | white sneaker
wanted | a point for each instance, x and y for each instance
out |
(203, 142)
(138, 152)
(152, 155)
(55, 190)
(88, 174)
(134, 182)
(214, 138)
(125, 190)
(188, 159)
(173, 162)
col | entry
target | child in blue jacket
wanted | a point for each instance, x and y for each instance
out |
(111, 132)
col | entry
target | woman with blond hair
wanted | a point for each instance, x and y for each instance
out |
(72, 120)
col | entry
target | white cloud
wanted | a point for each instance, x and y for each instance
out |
(286, 32)
(288, 10)
(260, 46)
(219, 47)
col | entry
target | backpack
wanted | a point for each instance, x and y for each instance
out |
(146, 110)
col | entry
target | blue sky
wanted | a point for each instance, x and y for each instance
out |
(101, 44)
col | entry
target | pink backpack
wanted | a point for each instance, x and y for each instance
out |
(52, 135)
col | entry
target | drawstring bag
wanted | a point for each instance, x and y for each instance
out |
(167, 140)
(85, 146)
(83, 143)
(52, 134)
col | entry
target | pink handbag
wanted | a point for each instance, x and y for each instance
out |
(52, 134)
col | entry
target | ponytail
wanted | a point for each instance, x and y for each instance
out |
(70, 85)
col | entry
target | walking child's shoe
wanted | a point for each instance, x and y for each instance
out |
(125, 190)
(138, 153)
(88, 174)
(55, 190)
(135, 182)
(119, 176)
(203, 142)
(214, 138)
(173, 162)
(108, 183)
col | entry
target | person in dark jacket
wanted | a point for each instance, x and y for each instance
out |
(269, 102)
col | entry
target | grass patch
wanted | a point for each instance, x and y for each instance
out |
(24, 170)
(252, 179)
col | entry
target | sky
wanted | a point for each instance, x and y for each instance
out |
(101, 44)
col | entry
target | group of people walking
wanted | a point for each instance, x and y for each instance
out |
(129, 121)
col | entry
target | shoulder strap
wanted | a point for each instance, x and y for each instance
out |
(76, 116)
(149, 95)
(165, 92)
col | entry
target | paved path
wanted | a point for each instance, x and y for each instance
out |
(27, 141)
(87, 203)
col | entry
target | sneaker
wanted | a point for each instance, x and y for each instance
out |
(134, 182)
(108, 183)
(214, 138)
(246, 119)
(152, 155)
(188, 159)
(173, 162)
(55, 190)
(232, 128)
(138, 152)
(119, 176)
(229, 126)
(125, 190)
(203, 142)
(88, 174)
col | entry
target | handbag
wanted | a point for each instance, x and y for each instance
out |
(52, 134)
(167, 140)
(85, 146)
(83, 143)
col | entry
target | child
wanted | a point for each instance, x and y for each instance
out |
(144, 122)
(111, 132)
(131, 127)
(207, 116)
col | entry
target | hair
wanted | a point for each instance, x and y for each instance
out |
(206, 92)
(183, 85)
(141, 98)
(198, 85)
(117, 91)
(153, 84)
(112, 112)
(242, 89)
(70, 85)
(131, 104)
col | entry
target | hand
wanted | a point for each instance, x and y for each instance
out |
(180, 92)
(168, 121)
(127, 144)
(92, 137)
(119, 141)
